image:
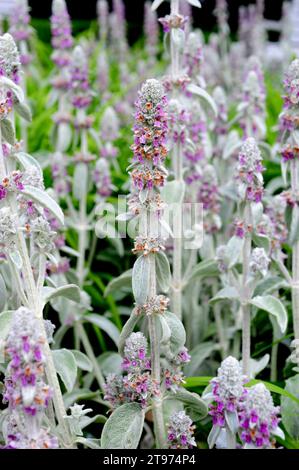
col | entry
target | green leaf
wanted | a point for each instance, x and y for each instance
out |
(124, 280)
(195, 406)
(173, 192)
(124, 427)
(27, 161)
(80, 184)
(8, 132)
(3, 293)
(204, 95)
(206, 268)
(194, 382)
(165, 333)
(82, 361)
(262, 241)
(275, 307)
(110, 362)
(5, 322)
(270, 284)
(178, 333)
(66, 367)
(43, 198)
(127, 329)
(198, 355)
(141, 279)
(104, 324)
(163, 271)
(228, 293)
(233, 250)
(23, 110)
(290, 409)
(195, 3)
(70, 291)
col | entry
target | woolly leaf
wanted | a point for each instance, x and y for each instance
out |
(141, 279)
(274, 306)
(43, 198)
(66, 367)
(163, 271)
(124, 427)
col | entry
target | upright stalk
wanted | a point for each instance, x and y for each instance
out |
(178, 174)
(245, 291)
(295, 256)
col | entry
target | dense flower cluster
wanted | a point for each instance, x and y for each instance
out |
(25, 391)
(259, 418)
(289, 119)
(151, 30)
(227, 390)
(137, 385)
(259, 262)
(62, 40)
(172, 374)
(150, 136)
(173, 22)
(193, 55)
(145, 245)
(20, 29)
(180, 431)
(81, 95)
(250, 168)
(102, 178)
(9, 58)
(208, 196)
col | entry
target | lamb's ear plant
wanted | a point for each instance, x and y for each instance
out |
(27, 242)
(151, 273)
(289, 152)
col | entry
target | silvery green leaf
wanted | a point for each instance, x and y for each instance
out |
(156, 4)
(165, 334)
(27, 161)
(206, 268)
(143, 196)
(5, 322)
(23, 110)
(257, 212)
(213, 435)
(82, 361)
(195, 3)
(110, 362)
(203, 94)
(295, 136)
(233, 250)
(127, 329)
(279, 433)
(284, 171)
(262, 241)
(16, 89)
(198, 355)
(70, 251)
(124, 280)
(70, 291)
(3, 293)
(43, 198)
(16, 259)
(66, 367)
(257, 365)
(173, 192)
(80, 180)
(290, 409)
(89, 442)
(104, 324)
(64, 136)
(228, 293)
(232, 144)
(232, 421)
(178, 333)
(275, 307)
(260, 124)
(124, 427)
(269, 285)
(77, 395)
(194, 405)
(140, 279)
(162, 271)
(8, 132)
(178, 37)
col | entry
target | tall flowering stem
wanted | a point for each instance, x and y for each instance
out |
(148, 176)
(290, 155)
(250, 186)
(24, 213)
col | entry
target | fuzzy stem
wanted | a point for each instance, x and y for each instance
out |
(295, 258)
(274, 354)
(219, 323)
(246, 294)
